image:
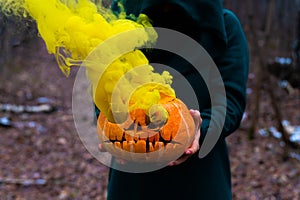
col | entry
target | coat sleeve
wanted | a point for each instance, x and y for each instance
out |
(233, 66)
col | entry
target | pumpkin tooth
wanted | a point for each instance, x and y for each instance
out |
(158, 145)
(118, 145)
(129, 146)
(132, 146)
(140, 146)
(126, 146)
(170, 147)
(151, 148)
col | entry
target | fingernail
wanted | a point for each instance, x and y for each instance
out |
(188, 152)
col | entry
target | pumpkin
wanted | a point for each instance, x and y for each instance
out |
(138, 140)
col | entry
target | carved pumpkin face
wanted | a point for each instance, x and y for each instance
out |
(138, 140)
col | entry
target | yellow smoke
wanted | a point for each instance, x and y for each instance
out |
(73, 29)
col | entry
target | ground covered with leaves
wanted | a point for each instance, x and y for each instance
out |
(42, 156)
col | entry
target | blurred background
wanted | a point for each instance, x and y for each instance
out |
(42, 157)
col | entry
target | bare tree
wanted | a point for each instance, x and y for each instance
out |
(263, 76)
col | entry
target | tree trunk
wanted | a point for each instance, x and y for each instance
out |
(6, 38)
(260, 71)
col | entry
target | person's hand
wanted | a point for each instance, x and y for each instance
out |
(195, 144)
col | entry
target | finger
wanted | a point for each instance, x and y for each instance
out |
(197, 117)
(193, 148)
(195, 144)
(188, 153)
(101, 148)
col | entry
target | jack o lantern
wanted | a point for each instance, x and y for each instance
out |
(139, 140)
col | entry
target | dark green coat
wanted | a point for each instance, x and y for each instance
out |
(219, 31)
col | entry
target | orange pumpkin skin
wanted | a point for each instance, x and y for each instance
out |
(134, 140)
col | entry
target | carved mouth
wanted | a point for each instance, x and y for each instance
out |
(141, 139)
(140, 144)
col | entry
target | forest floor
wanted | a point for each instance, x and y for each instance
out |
(42, 156)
